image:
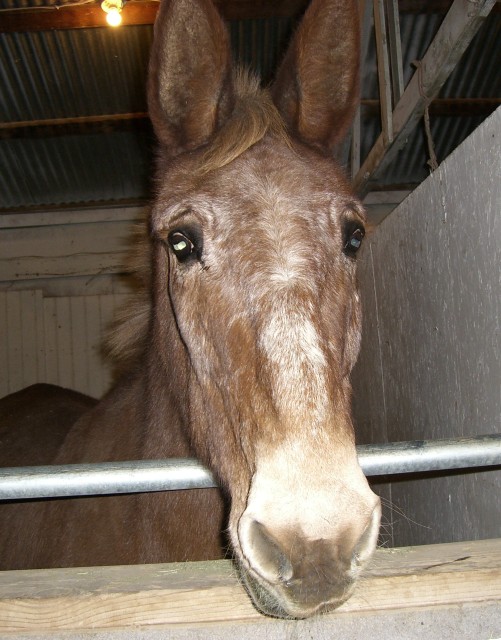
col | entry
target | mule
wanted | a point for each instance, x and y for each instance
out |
(242, 351)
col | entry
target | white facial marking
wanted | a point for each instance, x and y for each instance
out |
(292, 347)
(296, 475)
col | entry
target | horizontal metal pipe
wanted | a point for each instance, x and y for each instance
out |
(17, 483)
(430, 455)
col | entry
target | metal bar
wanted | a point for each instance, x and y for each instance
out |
(430, 455)
(20, 483)
(453, 37)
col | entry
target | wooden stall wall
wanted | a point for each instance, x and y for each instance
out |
(61, 279)
(430, 365)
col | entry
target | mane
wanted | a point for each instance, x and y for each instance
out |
(125, 338)
(254, 115)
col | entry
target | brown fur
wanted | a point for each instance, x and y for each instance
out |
(240, 352)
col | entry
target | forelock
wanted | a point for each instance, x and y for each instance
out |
(253, 117)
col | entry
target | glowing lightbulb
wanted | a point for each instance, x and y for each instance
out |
(112, 8)
(113, 17)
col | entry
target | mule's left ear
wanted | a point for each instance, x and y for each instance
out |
(317, 86)
(189, 87)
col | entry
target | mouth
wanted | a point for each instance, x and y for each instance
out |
(288, 599)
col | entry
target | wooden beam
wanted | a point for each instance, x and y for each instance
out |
(447, 107)
(106, 123)
(383, 71)
(395, 49)
(74, 17)
(207, 593)
(453, 37)
(138, 12)
(80, 125)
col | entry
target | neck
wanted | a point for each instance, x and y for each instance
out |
(166, 416)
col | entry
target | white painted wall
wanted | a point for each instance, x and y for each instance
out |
(55, 340)
(60, 282)
(430, 365)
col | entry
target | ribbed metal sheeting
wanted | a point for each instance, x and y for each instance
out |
(82, 72)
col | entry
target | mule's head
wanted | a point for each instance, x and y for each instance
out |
(256, 235)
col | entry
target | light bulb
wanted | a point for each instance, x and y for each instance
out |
(114, 18)
(112, 8)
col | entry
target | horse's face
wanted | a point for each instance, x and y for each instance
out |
(260, 265)
(256, 260)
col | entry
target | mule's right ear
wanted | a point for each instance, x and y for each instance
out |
(189, 89)
(316, 88)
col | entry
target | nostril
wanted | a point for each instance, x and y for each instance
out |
(264, 553)
(367, 542)
(285, 570)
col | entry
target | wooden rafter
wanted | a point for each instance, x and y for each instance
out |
(134, 13)
(139, 12)
(447, 107)
(454, 35)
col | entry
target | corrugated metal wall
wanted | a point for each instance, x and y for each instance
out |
(430, 364)
(101, 72)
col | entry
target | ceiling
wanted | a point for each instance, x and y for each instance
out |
(74, 131)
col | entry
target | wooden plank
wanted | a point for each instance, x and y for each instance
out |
(144, 12)
(383, 70)
(14, 342)
(55, 340)
(72, 286)
(447, 107)
(73, 17)
(454, 35)
(94, 360)
(30, 253)
(366, 20)
(395, 49)
(40, 335)
(88, 125)
(70, 216)
(204, 593)
(80, 344)
(4, 341)
(429, 365)
(29, 334)
(50, 341)
(64, 353)
(138, 13)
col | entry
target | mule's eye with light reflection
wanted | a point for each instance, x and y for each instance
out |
(181, 245)
(354, 235)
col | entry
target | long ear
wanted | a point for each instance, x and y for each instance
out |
(317, 86)
(189, 89)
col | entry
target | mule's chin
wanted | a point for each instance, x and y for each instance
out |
(286, 600)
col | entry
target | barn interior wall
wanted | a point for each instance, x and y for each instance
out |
(61, 279)
(430, 363)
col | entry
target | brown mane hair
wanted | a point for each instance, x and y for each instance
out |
(254, 115)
